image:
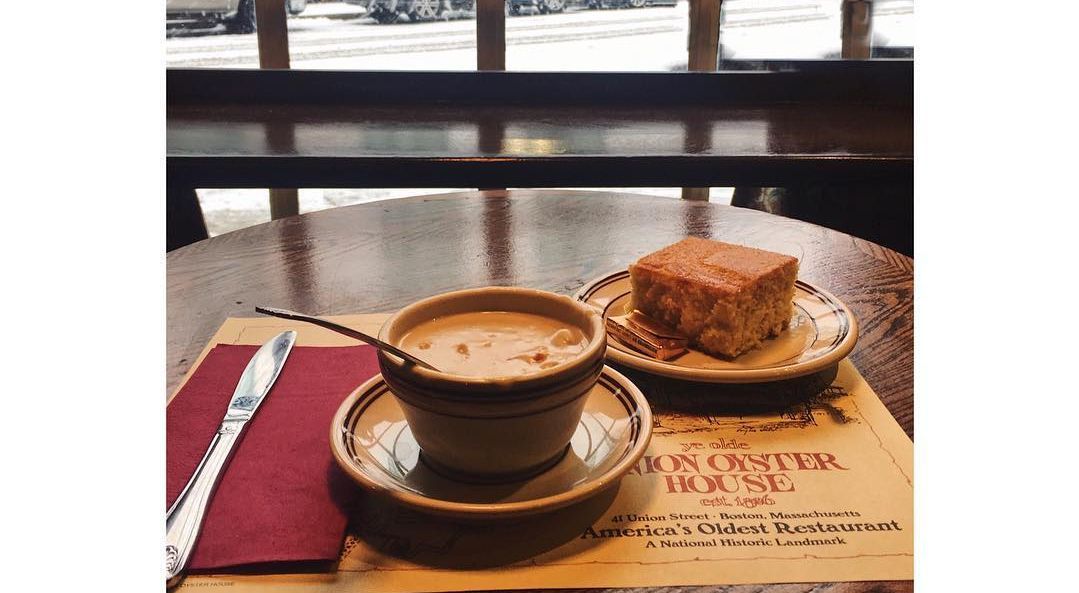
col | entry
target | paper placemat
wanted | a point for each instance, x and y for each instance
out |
(821, 491)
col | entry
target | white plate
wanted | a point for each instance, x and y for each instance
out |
(822, 332)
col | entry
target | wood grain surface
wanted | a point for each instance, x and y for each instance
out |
(826, 121)
(380, 256)
(262, 145)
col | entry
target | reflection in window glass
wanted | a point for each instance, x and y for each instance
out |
(717, 195)
(227, 210)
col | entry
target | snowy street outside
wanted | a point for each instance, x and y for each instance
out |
(336, 35)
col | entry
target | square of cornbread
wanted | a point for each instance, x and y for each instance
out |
(725, 298)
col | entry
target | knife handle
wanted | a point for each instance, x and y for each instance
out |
(184, 519)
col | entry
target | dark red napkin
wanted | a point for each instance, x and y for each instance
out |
(282, 498)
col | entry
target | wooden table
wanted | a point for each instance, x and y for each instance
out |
(378, 257)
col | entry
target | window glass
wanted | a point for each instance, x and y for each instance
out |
(344, 35)
(612, 35)
(388, 35)
(893, 29)
(567, 35)
(780, 30)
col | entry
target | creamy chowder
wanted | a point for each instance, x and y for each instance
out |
(494, 343)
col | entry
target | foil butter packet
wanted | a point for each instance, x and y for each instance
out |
(647, 336)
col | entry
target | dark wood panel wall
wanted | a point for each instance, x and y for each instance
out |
(879, 81)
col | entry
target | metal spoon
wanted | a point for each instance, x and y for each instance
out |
(348, 331)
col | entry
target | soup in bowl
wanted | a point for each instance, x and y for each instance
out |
(516, 366)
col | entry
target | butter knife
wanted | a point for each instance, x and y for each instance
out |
(184, 519)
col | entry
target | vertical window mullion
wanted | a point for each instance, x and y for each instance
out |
(491, 35)
(272, 32)
(704, 35)
(703, 54)
(491, 55)
(857, 32)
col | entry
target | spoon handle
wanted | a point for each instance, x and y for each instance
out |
(348, 331)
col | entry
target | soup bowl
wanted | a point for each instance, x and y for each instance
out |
(494, 428)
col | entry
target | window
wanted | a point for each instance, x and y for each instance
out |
(564, 35)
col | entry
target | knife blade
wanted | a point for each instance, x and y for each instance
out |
(183, 520)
